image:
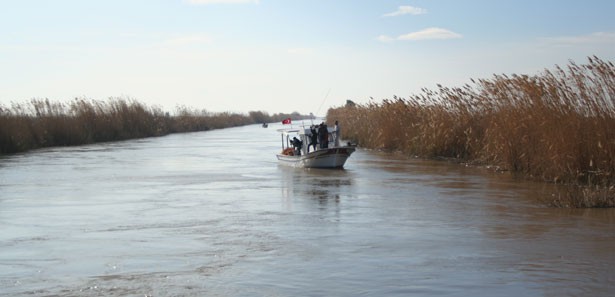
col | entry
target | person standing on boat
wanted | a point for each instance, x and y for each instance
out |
(313, 138)
(336, 134)
(323, 135)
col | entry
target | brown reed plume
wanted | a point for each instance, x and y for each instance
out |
(558, 126)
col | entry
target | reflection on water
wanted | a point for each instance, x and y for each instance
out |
(323, 185)
(213, 214)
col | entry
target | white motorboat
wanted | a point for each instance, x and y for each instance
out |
(301, 156)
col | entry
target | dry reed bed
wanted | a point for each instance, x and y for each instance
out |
(558, 127)
(42, 123)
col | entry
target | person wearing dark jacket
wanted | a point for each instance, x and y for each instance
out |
(323, 135)
(313, 138)
(297, 144)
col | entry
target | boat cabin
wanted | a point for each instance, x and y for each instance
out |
(303, 135)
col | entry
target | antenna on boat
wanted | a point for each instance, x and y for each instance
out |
(323, 101)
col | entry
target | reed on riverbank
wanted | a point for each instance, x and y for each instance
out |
(558, 126)
(43, 123)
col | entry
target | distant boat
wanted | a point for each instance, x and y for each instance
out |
(332, 157)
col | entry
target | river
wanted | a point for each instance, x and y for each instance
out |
(213, 214)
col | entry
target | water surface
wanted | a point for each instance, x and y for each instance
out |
(213, 214)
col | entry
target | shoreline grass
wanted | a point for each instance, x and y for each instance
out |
(43, 123)
(558, 127)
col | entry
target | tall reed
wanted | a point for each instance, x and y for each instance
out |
(43, 123)
(558, 126)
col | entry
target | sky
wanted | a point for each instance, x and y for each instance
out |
(284, 55)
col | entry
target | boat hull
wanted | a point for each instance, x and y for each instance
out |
(323, 158)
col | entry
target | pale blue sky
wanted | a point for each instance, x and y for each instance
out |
(284, 55)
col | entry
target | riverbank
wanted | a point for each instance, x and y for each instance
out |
(43, 123)
(557, 127)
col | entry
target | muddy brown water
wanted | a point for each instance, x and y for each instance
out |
(213, 214)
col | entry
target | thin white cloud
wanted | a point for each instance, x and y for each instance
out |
(430, 33)
(425, 34)
(405, 9)
(593, 38)
(204, 2)
(385, 38)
